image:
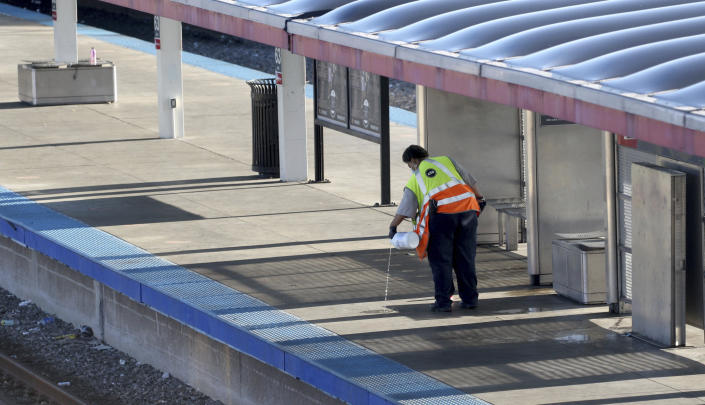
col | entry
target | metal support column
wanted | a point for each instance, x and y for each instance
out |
(611, 250)
(421, 136)
(532, 224)
(384, 144)
(319, 176)
(318, 153)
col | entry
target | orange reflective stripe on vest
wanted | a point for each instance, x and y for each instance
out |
(421, 230)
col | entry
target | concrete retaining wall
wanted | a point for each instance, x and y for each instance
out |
(151, 337)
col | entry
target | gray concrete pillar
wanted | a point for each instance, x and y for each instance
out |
(291, 102)
(170, 91)
(64, 14)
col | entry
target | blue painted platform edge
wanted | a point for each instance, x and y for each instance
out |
(41, 235)
(396, 115)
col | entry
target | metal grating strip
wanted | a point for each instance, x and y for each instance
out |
(324, 350)
(626, 260)
(625, 157)
(625, 222)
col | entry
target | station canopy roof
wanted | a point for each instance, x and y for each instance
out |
(645, 57)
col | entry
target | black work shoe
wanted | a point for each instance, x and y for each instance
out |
(438, 308)
(465, 305)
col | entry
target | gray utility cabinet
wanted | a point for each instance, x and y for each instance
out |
(658, 253)
(49, 83)
(579, 269)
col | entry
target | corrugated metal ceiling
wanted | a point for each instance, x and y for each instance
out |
(654, 48)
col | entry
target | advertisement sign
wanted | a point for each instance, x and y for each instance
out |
(356, 103)
(332, 93)
(365, 109)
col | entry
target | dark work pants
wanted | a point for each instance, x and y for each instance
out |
(451, 245)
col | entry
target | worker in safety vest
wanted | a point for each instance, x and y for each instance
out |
(445, 202)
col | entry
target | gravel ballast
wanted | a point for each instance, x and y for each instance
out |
(85, 366)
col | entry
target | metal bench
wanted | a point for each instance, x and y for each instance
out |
(509, 211)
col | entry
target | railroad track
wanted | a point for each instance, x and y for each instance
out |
(35, 382)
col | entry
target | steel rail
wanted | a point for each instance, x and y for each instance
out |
(37, 382)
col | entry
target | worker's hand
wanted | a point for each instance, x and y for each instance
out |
(392, 231)
(482, 203)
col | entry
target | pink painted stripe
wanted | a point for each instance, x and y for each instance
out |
(588, 114)
(226, 24)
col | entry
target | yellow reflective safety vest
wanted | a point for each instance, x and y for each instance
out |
(437, 179)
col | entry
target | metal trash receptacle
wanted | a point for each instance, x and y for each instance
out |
(265, 127)
(579, 269)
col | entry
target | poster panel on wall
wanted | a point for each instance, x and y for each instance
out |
(332, 93)
(365, 109)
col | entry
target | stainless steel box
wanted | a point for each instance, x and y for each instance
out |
(579, 269)
(47, 83)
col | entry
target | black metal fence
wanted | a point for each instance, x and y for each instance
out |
(265, 127)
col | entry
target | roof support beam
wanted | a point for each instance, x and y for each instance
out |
(231, 25)
(564, 107)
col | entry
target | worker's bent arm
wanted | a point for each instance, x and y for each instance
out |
(397, 220)
(478, 194)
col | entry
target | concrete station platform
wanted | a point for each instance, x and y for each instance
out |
(317, 251)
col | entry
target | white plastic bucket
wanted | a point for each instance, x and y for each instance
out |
(405, 240)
